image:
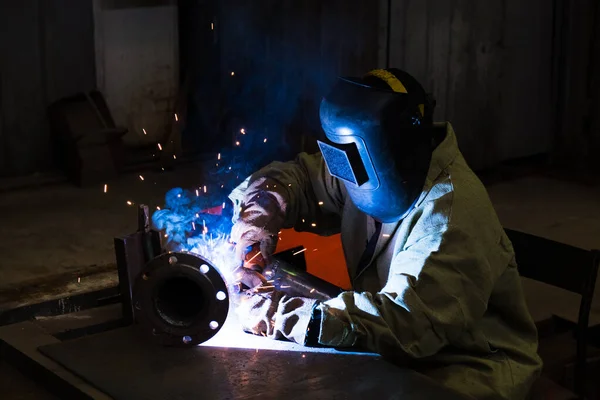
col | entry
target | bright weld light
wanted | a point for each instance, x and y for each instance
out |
(105, 188)
(265, 141)
(143, 130)
(176, 117)
(299, 251)
(313, 224)
(159, 147)
(243, 131)
(141, 177)
(219, 156)
(320, 203)
(129, 203)
(344, 131)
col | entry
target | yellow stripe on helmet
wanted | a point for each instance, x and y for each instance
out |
(389, 78)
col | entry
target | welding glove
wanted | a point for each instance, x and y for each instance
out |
(248, 237)
(276, 315)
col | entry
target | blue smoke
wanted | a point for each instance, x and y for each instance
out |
(187, 226)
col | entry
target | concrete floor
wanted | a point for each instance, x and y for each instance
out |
(59, 229)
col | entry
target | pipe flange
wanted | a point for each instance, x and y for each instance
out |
(180, 299)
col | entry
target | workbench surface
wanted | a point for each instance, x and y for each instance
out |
(126, 366)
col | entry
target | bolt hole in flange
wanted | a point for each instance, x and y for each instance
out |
(221, 295)
(213, 325)
(187, 339)
(204, 268)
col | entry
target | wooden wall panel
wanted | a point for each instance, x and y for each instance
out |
(578, 140)
(47, 53)
(286, 54)
(488, 65)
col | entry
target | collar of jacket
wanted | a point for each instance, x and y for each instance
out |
(442, 156)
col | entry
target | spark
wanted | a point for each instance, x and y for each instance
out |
(386, 235)
(315, 249)
(176, 117)
(222, 186)
(284, 287)
(163, 168)
(158, 208)
(174, 157)
(217, 164)
(230, 168)
(312, 290)
(105, 188)
(303, 355)
(219, 156)
(204, 188)
(232, 73)
(299, 251)
(179, 195)
(193, 226)
(159, 147)
(237, 143)
(302, 219)
(320, 203)
(313, 224)
(141, 177)
(223, 205)
(254, 256)
(129, 203)
(166, 235)
(243, 131)
(265, 141)
(197, 215)
(197, 193)
(289, 184)
(143, 130)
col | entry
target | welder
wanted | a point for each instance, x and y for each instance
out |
(435, 285)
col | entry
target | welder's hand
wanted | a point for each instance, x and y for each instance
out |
(249, 241)
(276, 315)
(248, 278)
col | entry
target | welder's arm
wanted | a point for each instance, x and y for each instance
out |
(438, 285)
(299, 194)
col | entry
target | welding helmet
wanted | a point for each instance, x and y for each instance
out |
(379, 140)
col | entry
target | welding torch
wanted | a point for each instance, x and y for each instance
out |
(286, 272)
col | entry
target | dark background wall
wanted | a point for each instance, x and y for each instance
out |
(515, 78)
(47, 52)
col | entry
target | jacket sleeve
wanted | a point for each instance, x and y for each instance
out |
(438, 285)
(299, 194)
